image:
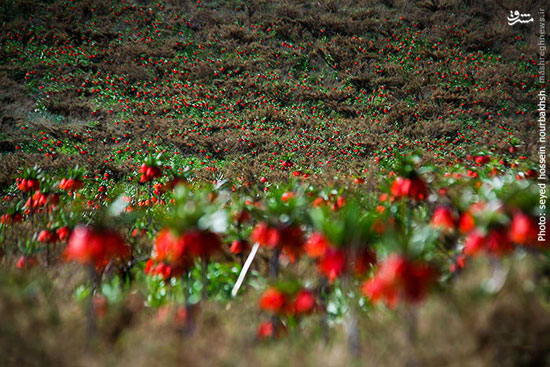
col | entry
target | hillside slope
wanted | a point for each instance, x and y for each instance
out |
(254, 88)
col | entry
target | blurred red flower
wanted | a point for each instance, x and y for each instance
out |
(272, 300)
(95, 246)
(443, 219)
(413, 188)
(398, 278)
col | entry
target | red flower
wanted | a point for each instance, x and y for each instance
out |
(318, 202)
(413, 188)
(201, 243)
(169, 248)
(304, 302)
(340, 202)
(482, 159)
(28, 184)
(149, 173)
(47, 236)
(377, 289)
(291, 241)
(498, 243)
(466, 223)
(38, 199)
(399, 277)
(8, 219)
(458, 264)
(332, 264)
(174, 253)
(139, 232)
(443, 218)
(93, 246)
(162, 269)
(272, 300)
(523, 230)
(287, 196)
(473, 243)
(26, 262)
(149, 266)
(239, 246)
(265, 330)
(71, 184)
(265, 235)
(379, 226)
(495, 242)
(316, 245)
(531, 173)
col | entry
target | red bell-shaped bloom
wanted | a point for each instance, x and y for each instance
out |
(47, 236)
(304, 302)
(28, 184)
(95, 246)
(473, 243)
(332, 264)
(26, 262)
(413, 188)
(287, 196)
(466, 223)
(265, 330)
(201, 243)
(6, 219)
(169, 247)
(399, 277)
(272, 300)
(265, 235)
(239, 246)
(523, 229)
(9, 219)
(443, 219)
(63, 233)
(173, 254)
(71, 184)
(496, 242)
(316, 245)
(149, 173)
(292, 241)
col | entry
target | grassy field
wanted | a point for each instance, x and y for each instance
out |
(382, 154)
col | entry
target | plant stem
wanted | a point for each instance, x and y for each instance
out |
(274, 269)
(91, 326)
(322, 292)
(150, 219)
(204, 274)
(411, 316)
(353, 336)
(189, 326)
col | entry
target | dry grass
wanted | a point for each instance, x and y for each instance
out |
(42, 326)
